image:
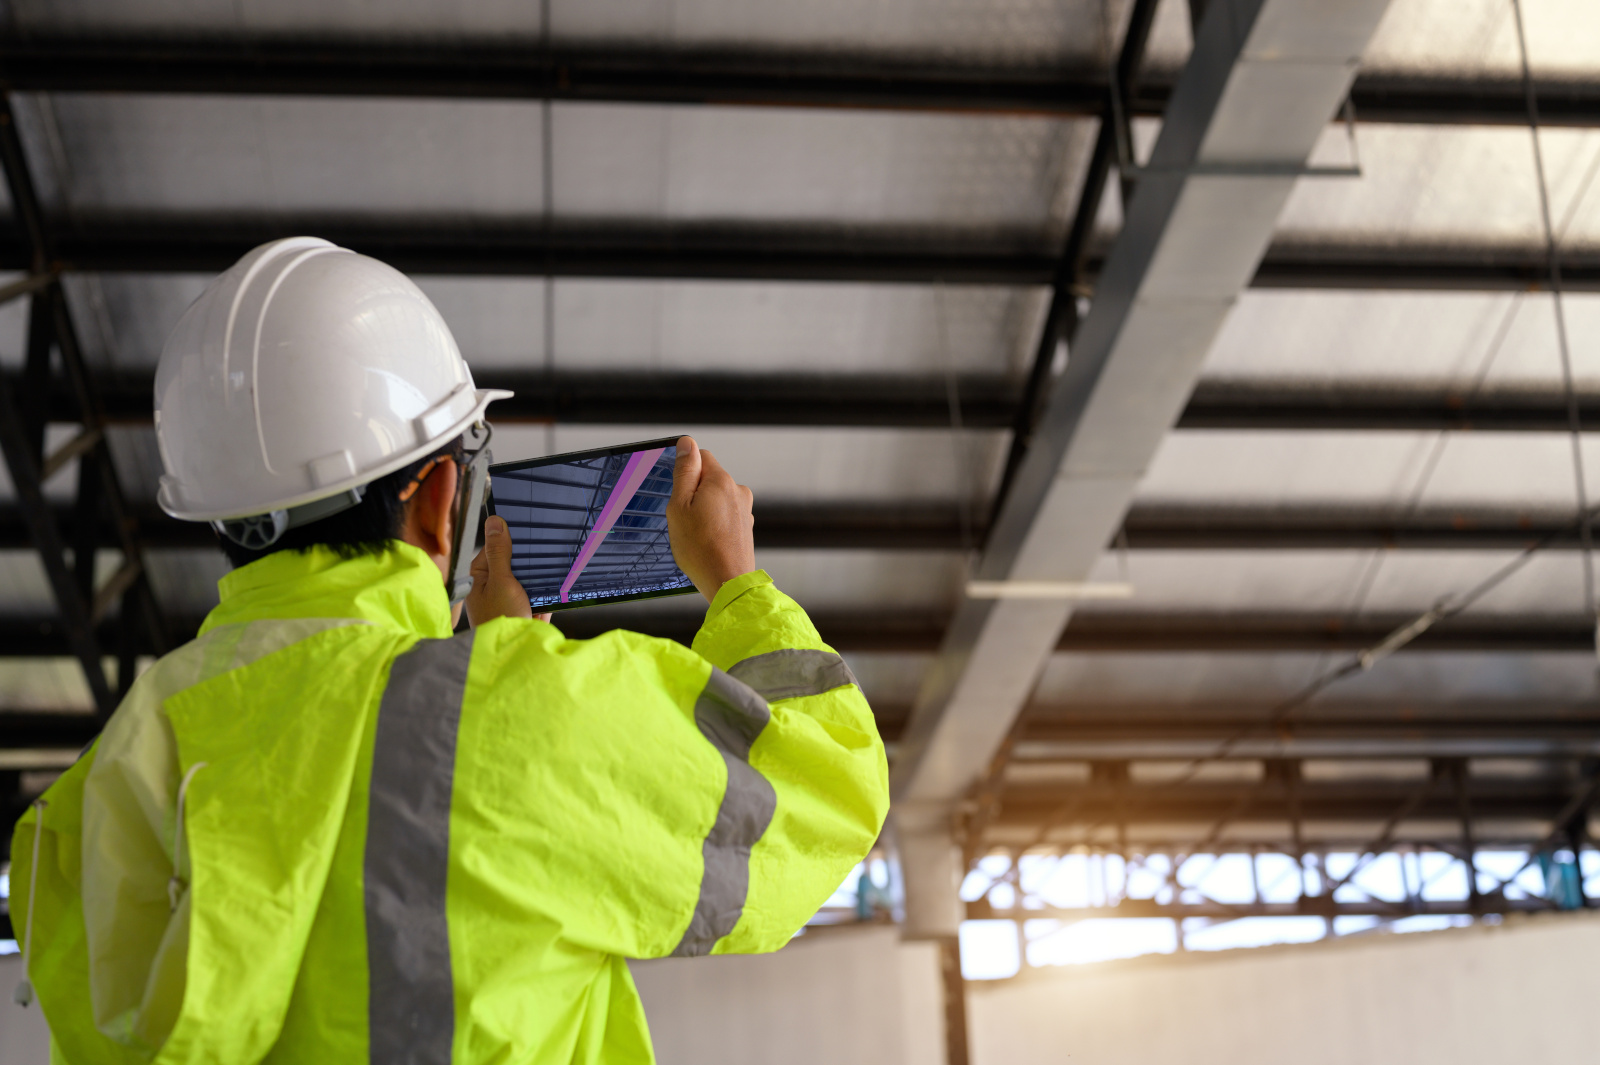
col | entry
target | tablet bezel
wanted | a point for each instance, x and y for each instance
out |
(574, 456)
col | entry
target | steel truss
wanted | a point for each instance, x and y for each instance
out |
(67, 544)
(1316, 890)
(1117, 813)
(1334, 880)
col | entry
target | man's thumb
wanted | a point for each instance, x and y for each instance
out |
(497, 546)
(685, 471)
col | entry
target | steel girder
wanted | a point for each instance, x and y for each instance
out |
(622, 73)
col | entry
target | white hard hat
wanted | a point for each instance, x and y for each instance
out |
(301, 374)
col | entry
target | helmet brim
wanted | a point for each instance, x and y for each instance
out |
(482, 397)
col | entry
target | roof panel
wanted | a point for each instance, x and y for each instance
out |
(43, 684)
(803, 464)
(888, 679)
(13, 327)
(185, 582)
(61, 488)
(1438, 185)
(1479, 38)
(456, 160)
(749, 326)
(24, 589)
(843, 580)
(1531, 470)
(123, 320)
(264, 156)
(1504, 340)
(1336, 582)
(718, 163)
(1421, 678)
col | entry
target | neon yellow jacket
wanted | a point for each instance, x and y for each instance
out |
(399, 845)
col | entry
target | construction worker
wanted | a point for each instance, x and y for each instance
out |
(327, 829)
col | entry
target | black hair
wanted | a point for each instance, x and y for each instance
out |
(368, 528)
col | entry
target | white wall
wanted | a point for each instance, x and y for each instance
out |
(851, 996)
(846, 997)
(1525, 991)
(24, 1038)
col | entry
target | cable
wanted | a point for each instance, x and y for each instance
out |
(1574, 423)
(1445, 608)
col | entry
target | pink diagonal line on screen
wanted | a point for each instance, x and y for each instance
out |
(633, 474)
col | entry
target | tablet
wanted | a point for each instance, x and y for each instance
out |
(590, 527)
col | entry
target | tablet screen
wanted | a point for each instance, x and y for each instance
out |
(590, 527)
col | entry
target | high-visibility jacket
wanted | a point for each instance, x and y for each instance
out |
(403, 845)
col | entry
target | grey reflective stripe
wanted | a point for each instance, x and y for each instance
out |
(731, 715)
(791, 674)
(411, 996)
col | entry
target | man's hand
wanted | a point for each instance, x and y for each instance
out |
(708, 520)
(495, 592)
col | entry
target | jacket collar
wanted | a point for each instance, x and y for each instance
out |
(399, 589)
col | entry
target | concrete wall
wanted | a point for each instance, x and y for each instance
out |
(1525, 991)
(855, 996)
(848, 997)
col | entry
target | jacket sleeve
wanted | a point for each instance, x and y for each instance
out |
(657, 800)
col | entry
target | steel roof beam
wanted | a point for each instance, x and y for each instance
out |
(1314, 906)
(921, 630)
(1050, 726)
(987, 401)
(1212, 527)
(1264, 78)
(1074, 734)
(921, 525)
(1077, 739)
(612, 72)
(1068, 734)
(1150, 632)
(1200, 803)
(182, 243)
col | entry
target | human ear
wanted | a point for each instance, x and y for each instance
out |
(440, 490)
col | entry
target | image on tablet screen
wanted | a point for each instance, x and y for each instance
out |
(592, 528)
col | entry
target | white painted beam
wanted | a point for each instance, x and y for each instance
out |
(1264, 79)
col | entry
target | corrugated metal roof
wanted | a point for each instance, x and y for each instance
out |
(189, 161)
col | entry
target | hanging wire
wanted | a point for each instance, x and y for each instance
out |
(1444, 609)
(952, 393)
(547, 188)
(1574, 423)
(1430, 466)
